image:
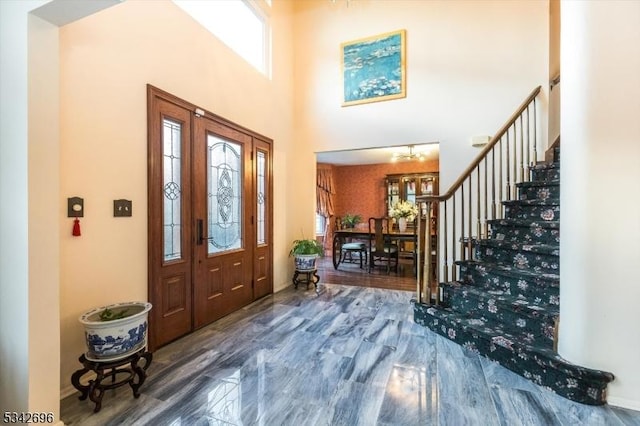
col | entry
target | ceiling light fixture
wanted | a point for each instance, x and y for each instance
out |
(399, 156)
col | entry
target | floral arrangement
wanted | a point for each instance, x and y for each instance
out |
(404, 209)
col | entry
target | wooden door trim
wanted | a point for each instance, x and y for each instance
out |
(154, 196)
(216, 118)
(175, 273)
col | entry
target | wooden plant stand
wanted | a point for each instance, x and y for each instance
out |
(127, 368)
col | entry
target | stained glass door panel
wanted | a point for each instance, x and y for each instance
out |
(224, 195)
(262, 264)
(221, 192)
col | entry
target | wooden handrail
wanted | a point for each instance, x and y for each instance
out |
(467, 172)
(476, 198)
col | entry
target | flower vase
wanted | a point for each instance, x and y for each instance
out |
(402, 224)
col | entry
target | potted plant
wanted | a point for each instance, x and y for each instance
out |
(305, 253)
(115, 331)
(403, 211)
(351, 220)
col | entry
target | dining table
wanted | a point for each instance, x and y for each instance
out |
(340, 236)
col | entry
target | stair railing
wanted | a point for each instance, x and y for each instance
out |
(474, 199)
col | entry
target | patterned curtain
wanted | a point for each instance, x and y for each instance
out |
(324, 192)
(324, 201)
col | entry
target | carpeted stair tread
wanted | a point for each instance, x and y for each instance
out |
(489, 328)
(545, 166)
(538, 183)
(533, 362)
(534, 202)
(503, 300)
(547, 189)
(524, 223)
(513, 272)
(545, 172)
(548, 249)
(531, 255)
(493, 277)
(514, 229)
(530, 321)
(533, 210)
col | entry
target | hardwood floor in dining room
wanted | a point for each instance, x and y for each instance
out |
(349, 273)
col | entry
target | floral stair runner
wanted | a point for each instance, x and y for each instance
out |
(506, 303)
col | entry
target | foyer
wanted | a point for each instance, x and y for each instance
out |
(346, 355)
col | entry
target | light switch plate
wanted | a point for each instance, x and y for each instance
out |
(122, 208)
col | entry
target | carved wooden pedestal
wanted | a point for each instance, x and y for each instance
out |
(308, 277)
(122, 371)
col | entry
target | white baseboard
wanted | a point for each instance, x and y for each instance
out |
(69, 389)
(623, 403)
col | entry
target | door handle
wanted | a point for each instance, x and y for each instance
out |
(200, 230)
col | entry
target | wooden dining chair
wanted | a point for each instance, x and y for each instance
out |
(350, 248)
(380, 244)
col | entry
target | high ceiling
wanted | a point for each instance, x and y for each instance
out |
(429, 152)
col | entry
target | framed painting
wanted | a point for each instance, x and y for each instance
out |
(373, 68)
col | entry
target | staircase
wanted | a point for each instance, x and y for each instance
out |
(505, 302)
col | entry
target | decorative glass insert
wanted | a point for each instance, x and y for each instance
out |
(224, 194)
(261, 197)
(171, 152)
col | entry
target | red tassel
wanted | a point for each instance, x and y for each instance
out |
(76, 228)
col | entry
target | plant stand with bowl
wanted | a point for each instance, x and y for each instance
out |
(116, 338)
(305, 253)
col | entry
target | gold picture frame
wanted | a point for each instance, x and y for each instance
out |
(374, 69)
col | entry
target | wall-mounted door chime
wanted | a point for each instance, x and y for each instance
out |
(75, 208)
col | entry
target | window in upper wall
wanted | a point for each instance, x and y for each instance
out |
(241, 25)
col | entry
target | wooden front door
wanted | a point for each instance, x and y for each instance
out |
(223, 249)
(210, 250)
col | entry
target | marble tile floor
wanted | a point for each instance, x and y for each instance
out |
(343, 355)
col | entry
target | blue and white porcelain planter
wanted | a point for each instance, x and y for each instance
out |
(305, 262)
(119, 338)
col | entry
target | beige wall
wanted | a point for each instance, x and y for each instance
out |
(44, 205)
(106, 61)
(469, 66)
(600, 238)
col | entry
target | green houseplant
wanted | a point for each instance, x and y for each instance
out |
(351, 220)
(305, 252)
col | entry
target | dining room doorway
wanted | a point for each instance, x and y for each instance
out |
(361, 181)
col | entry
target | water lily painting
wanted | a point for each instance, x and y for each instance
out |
(374, 68)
